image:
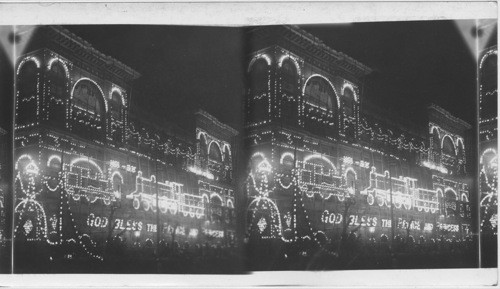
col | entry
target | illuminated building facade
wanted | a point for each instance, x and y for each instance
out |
(488, 138)
(321, 161)
(87, 170)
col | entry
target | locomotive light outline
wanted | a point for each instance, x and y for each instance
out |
(170, 196)
(405, 193)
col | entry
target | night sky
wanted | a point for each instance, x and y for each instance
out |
(185, 68)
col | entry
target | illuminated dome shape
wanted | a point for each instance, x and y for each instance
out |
(31, 220)
(264, 218)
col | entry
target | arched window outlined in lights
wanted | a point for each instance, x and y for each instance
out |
(320, 92)
(58, 87)
(27, 89)
(289, 76)
(87, 96)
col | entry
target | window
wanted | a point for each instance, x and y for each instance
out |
(451, 202)
(448, 146)
(320, 93)
(88, 98)
(88, 111)
(257, 98)
(117, 184)
(27, 92)
(436, 146)
(258, 77)
(227, 155)
(349, 102)
(350, 180)
(289, 76)
(489, 84)
(203, 152)
(215, 153)
(116, 106)
(57, 76)
(57, 88)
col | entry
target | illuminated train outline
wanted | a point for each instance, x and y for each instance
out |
(92, 185)
(405, 194)
(171, 198)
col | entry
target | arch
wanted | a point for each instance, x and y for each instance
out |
(465, 198)
(53, 68)
(200, 134)
(216, 196)
(258, 154)
(215, 153)
(28, 91)
(39, 207)
(349, 86)
(51, 158)
(445, 147)
(95, 83)
(485, 56)
(58, 76)
(435, 128)
(86, 160)
(258, 199)
(316, 156)
(451, 190)
(25, 156)
(436, 143)
(119, 92)
(440, 193)
(350, 169)
(116, 173)
(485, 152)
(230, 204)
(26, 60)
(205, 198)
(226, 153)
(258, 81)
(284, 155)
(57, 60)
(327, 80)
(227, 146)
(350, 178)
(257, 57)
(116, 104)
(203, 143)
(292, 58)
